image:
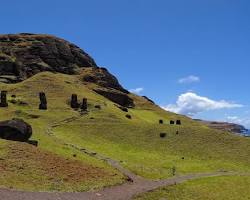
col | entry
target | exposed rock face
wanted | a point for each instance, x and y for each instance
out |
(116, 96)
(23, 55)
(15, 129)
(101, 77)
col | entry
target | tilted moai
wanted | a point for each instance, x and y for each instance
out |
(4, 102)
(43, 101)
(171, 122)
(84, 105)
(178, 122)
(74, 103)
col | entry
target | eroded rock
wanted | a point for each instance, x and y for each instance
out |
(116, 96)
(24, 55)
(15, 129)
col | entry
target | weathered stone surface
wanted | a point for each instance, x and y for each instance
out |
(116, 96)
(178, 122)
(101, 77)
(74, 102)
(43, 101)
(15, 129)
(23, 55)
(84, 105)
(3, 100)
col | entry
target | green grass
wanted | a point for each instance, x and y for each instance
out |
(214, 188)
(136, 142)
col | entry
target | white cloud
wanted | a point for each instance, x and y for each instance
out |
(190, 104)
(189, 79)
(137, 90)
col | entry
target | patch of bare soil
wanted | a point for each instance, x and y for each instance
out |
(23, 158)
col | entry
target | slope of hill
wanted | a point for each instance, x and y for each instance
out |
(64, 134)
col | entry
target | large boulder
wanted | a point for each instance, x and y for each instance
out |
(15, 129)
(102, 77)
(24, 55)
(116, 96)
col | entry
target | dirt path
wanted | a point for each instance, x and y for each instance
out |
(121, 192)
(135, 185)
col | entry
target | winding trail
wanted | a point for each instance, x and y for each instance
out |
(121, 192)
(134, 186)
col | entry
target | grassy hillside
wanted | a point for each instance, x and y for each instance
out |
(215, 188)
(134, 142)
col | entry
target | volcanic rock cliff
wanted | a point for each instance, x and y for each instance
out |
(24, 55)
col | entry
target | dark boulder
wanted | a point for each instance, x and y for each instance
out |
(116, 96)
(101, 77)
(15, 129)
(24, 55)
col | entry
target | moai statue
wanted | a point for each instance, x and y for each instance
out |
(171, 122)
(178, 122)
(43, 101)
(84, 105)
(74, 103)
(4, 102)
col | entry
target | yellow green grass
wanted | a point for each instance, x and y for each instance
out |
(135, 143)
(213, 188)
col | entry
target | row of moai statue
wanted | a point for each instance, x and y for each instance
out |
(43, 101)
(73, 103)
(172, 122)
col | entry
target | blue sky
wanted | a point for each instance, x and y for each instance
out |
(154, 44)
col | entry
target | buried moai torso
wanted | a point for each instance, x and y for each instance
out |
(43, 101)
(74, 103)
(3, 99)
(84, 105)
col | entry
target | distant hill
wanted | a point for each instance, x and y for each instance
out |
(225, 126)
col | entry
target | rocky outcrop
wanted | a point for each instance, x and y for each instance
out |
(101, 77)
(23, 55)
(116, 96)
(15, 129)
